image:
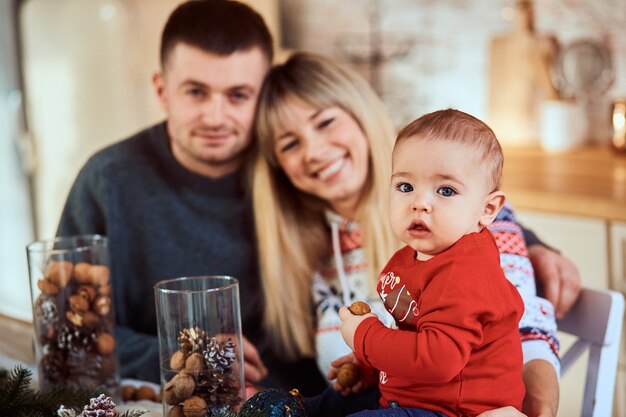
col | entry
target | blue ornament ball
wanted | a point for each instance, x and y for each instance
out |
(274, 403)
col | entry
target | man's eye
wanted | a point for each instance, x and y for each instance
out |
(239, 96)
(404, 187)
(195, 92)
(446, 191)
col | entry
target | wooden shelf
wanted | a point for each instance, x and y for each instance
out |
(588, 182)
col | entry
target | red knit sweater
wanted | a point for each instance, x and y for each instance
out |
(457, 349)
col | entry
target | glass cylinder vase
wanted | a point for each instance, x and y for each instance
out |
(200, 341)
(73, 314)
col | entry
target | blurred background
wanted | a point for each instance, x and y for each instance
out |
(75, 77)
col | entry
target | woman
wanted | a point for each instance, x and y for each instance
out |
(320, 184)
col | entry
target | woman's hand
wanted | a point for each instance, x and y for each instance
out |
(542, 389)
(558, 276)
(253, 366)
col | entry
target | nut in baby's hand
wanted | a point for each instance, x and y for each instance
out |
(348, 375)
(359, 308)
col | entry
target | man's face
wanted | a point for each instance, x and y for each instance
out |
(210, 102)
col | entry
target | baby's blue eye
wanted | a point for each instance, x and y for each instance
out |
(446, 191)
(404, 187)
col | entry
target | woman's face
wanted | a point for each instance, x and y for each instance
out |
(323, 153)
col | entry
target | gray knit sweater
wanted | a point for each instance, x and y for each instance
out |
(162, 221)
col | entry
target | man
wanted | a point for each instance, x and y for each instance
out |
(172, 198)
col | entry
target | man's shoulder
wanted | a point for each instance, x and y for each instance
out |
(141, 146)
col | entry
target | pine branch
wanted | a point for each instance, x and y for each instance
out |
(69, 396)
(18, 399)
(15, 390)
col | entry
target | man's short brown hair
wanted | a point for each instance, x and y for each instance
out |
(221, 27)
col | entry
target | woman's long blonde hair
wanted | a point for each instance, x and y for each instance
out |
(292, 233)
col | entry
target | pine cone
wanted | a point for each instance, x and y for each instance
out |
(101, 406)
(192, 339)
(216, 384)
(46, 310)
(220, 355)
(83, 368)
(217, 389)
(52, 367)
(75, 339)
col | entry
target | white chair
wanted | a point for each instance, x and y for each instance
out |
(596, 319)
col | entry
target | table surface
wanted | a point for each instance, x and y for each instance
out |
(16, 341)
(588, 182)
(16, 348)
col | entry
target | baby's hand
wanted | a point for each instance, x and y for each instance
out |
(340, 366)
(350, 377)
(349, 323)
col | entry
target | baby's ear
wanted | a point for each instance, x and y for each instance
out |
(493, 204)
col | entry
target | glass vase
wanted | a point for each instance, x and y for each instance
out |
(200, 341)
(73, 315)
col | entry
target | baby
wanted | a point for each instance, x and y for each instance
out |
(457, 348)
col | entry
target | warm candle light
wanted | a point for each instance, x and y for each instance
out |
(619, 124)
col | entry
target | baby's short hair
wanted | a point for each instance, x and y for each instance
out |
(455, 126)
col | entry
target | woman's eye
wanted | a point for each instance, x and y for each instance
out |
(289, 145)
(446, 191)
(325, 122)
(404, 187)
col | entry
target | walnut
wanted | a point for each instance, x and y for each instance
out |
(128, 392)
(47, 287)
(78, 303)
(179, 388)
(104, 289)
(81, 273)
(194, 364)
(184, 385)
(194, 407)
(99, 274)
(348, 374)
(87, 292)
(176, 412)
(177, 361)
(359, 308)
(74, 317)
(106, 343)
(91, 320)
(102, 305)
(145, 392)
(169, 396)
(59, 272)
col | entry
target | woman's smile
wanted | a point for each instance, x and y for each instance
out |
(330, 171)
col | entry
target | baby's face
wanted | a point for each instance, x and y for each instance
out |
(438, 194)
